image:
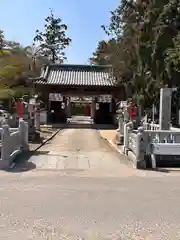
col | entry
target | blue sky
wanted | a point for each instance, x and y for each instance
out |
(20, 18)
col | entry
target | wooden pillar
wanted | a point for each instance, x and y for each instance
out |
(111, 106)
(68, 107)
(93, 107)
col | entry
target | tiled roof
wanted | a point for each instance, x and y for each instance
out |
(77, 75)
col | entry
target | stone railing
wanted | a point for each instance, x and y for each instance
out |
(13, 142)
(132, 142)
(142, 144)
(133, 145)
(150, 126)
(154, 126)
(147, 126)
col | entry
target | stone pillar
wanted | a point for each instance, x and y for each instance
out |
(165, 108)
(37, 120)
(93, 108)
(23, 128)
(140, 149)
(6, 145)
(126, 138)
(120, 131)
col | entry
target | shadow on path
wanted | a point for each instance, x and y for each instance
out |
(23, 164)
(81, 125)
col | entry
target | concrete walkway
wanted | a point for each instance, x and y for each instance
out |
(79, 150)
(82, 149)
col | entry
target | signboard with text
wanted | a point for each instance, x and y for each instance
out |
(55, 97)
(105, 98)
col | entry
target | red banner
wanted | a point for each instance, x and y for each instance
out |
(19, 105)
(132, 112)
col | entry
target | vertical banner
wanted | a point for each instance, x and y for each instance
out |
(19, 108)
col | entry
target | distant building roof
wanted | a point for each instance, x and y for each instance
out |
(77, 75)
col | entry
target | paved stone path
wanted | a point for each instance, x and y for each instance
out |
(87, 193)
(82, 150)
(78, 150)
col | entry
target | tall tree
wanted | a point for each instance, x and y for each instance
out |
(145, 55)
(102, 54)
(53, 41)
(15, 62)
(37, 60)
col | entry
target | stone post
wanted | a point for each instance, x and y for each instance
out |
(6, 145)
(126, 137)
(126, 115)
(23, 128)
(37, 119)
(165, 108)
(120, 130)
(140, 149)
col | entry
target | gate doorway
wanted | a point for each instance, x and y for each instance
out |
(97, 82)
(57, 113)
(103, 113)
(98, 108)
(81, 106)
(81, 109)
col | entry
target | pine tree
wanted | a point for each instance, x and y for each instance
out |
(53, 40)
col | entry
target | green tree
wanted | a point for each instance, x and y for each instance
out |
(15, 69)
(145, 55)
(37, 60)
(13, 45)
(172, 59)
(53, 40)
(124, 30)
(101, 56)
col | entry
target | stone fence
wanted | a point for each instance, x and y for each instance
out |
(148, 142)
(13, 142)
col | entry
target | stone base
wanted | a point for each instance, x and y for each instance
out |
(4, 164)
(141, 165)
(34, 136)
(148, 162)
(119, 139)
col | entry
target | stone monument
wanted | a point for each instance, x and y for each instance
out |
(165, 108)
